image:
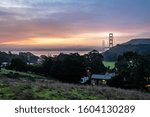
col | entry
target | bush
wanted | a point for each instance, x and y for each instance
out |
(18, 65)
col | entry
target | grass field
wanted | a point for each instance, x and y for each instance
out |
(33, 87)
(21, 89)
(23, 74)
(109, 64)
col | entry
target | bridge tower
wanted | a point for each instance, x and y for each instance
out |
(111, 40)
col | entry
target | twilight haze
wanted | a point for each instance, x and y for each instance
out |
(71, 23)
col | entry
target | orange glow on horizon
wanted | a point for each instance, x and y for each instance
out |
(85, 39)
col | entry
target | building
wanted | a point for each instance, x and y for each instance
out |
(98, 79)
(4, 64)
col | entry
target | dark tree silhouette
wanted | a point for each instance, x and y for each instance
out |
(68, 68)
(18, 65)
(94, 60)
(132, 71)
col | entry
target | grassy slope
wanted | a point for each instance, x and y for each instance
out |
(4, 71)
(109, 64)
(24, 88)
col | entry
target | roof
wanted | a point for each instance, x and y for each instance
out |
(4, 63)
(102, 77)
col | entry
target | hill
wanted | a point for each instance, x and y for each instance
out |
(141, 46)
(138, 41)
(25, 87)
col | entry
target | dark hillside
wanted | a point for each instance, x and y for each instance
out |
(138, 41)
(141, 46)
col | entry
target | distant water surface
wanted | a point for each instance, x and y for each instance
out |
(51, 53)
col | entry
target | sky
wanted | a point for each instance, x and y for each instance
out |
(71, 23)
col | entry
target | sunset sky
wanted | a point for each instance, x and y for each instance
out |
(71, 23)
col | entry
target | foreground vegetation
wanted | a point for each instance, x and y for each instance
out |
(11, 73)
(132, 70)
(25, 88)
(64, 67)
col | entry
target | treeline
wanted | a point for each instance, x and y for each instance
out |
(64, 67)
(132, 71)
(26, 57)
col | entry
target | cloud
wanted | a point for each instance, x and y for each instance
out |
(25, 19)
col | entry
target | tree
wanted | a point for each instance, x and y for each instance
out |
(0, 66)
(28, 57)
(18, 65)
(94, 60)
(47, 65)
(132, 70)
(68, 68)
